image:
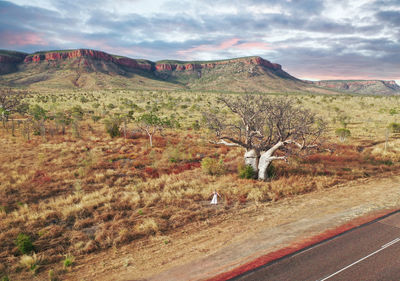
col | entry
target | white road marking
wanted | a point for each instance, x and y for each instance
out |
(391, 243)
(360, 260)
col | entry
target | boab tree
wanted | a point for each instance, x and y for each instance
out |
(265, 126)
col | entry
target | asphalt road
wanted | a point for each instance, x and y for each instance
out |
(370, 252)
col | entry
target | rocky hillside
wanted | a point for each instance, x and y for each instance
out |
(9, 60)
(369, 87)
(83, 68)
(59, 56)
(92, 69)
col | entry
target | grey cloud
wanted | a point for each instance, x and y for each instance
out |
(347, 45)
(31, 17)
(390, 17)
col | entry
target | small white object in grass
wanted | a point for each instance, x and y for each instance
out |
(214, 200)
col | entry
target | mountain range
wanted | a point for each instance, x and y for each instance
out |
(91, 69)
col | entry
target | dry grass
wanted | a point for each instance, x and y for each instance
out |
(31, 263)
(81, 195)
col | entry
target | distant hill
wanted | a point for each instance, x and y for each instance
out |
(91, 69)
(369, 87)
(87, 69)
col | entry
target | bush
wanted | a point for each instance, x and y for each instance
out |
(95, 118)
(213, 166)
(246, 172)
(111, 106)
(24, 243)
(52, 275)
(77, 112)
(112, 126)
(195, 125)
(394, 127)
(68, 261)
(342, 133)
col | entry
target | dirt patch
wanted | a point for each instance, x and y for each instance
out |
(203, 250)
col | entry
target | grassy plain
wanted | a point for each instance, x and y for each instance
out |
(79, 195)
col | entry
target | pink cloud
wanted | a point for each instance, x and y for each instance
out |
(228, 43)
(254, 45)
(23, 39)
(222, 46)
(233, 43)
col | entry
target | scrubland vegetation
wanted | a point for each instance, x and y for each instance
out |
(79, 174)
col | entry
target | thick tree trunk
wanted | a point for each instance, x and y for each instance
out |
(266, 158)
(265, 161)
(251, 158)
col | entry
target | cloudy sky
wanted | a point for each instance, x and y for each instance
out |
(312, 39)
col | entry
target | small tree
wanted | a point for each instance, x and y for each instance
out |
(265, 126)
(342, 133)
(125, 119)
(77, 114)
(150, 123)
(39, 115)
(11, 102)
(112, 125)
(62, 119)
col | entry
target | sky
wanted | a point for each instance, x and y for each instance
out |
(311, 39)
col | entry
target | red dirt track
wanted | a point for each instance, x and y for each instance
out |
(262, 260)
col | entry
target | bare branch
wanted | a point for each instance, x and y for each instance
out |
(225, 143)
(278, 158)
(265, 126)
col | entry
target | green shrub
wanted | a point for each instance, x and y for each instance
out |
(77, 112)
(68, 261)
(112, 126)
(96, 105)
(342, 133)
(24, 243)
(84, 100)
(246, 172)
(394, 127)
(213, 166)
(271, 171)
(95, 118)
(52, 275)
(196, 125)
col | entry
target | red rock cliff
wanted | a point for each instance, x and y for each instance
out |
(54, 56)
(144, 65)
(194, 66)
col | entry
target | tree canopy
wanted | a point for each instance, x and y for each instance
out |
(264, 125)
